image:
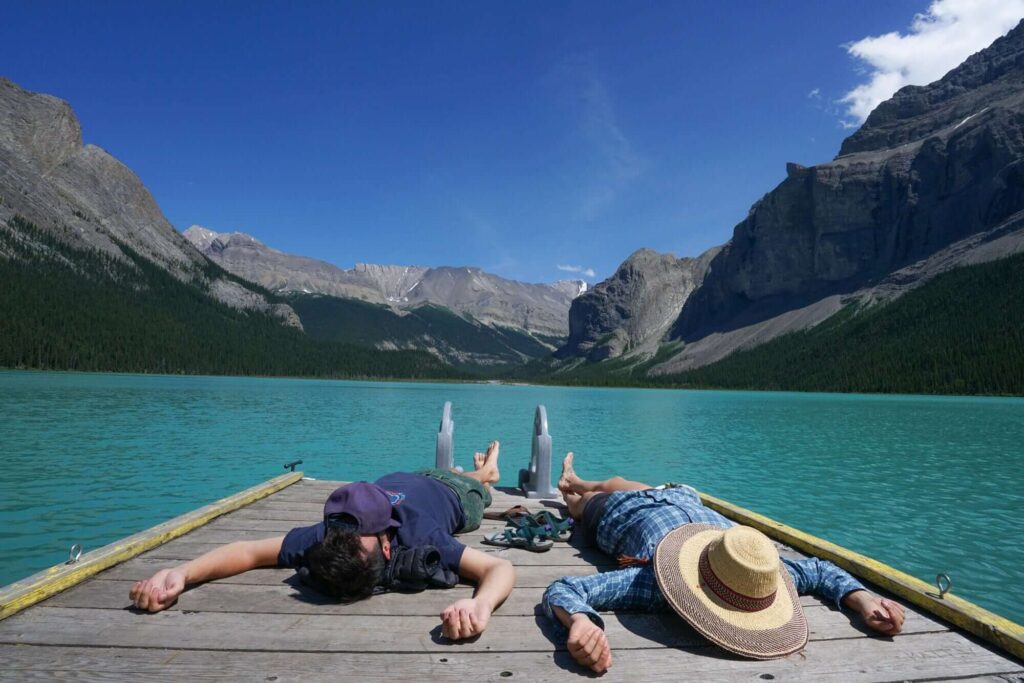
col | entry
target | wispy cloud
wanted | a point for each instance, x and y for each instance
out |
(585, 272)
(939, 39)
(814, 94)
(613, 160)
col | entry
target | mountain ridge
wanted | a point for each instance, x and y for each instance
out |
(84, 197)
(933, 180)
(491, 299)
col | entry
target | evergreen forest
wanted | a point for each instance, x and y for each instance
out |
(960, 333)
(64, 308)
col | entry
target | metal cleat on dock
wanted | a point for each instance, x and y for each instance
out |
(535, 481)
(444, 455)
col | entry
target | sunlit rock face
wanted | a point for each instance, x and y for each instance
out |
(81, 195)
(634, 307)
(931, 166)
(932, 180)
(535, 308)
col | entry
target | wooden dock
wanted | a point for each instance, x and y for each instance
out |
(264, 626)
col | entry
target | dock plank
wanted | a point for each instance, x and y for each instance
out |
(285, 594)
(264, 625)
(537, 576)
(186, 549)
(824, 621)
(924, 657)
(322, 632)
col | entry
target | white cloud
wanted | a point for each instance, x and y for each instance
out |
(938, 40)
(814, 94)
(585, 272)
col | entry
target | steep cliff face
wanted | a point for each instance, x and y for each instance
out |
(986, 78)
(932, 166)
(534, 308)
(85, 197)
(633, 308)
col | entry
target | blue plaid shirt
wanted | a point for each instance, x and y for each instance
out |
(631, 524)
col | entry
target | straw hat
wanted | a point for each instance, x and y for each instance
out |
(731, 586)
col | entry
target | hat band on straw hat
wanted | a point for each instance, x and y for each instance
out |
(741, 602)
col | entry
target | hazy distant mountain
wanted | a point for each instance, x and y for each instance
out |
(932, 181)
(540, 309)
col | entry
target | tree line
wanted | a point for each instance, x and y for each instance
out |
(67, 308)
(960, 333)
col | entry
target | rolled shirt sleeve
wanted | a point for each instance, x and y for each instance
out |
(634, 588)
(822, 578)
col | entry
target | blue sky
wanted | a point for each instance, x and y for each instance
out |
(513, 136)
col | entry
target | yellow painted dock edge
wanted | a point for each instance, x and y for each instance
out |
(27, 592)
(989, 626)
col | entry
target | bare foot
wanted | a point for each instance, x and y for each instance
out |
(487, 463)
(568, 478)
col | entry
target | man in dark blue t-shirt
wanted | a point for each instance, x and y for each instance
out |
(347, 551)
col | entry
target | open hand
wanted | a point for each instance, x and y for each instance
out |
(158, 592)
(884, 616)
(879, 614)
(588, 644)
(464, 619)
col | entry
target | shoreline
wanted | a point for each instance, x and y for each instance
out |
(517, 383)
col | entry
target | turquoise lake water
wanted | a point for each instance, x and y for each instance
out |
(926, 484)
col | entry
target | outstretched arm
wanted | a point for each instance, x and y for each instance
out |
(495, 579)
(574, 601)
(826, 580)
(161, 590)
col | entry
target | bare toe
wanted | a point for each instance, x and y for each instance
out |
(478, 461)
(565, 482)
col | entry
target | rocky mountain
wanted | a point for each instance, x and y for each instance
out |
(934, 179)
(537, 309)
(85, 198)
(633, 309)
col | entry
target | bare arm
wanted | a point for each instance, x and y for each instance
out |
(495, 579)
(163, 588)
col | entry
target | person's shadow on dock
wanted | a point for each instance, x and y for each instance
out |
(307, 594)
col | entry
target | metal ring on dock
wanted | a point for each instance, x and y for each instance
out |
(75, 554)
(944, 583)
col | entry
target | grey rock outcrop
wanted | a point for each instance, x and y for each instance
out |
(82, 195)
(535, 308)
(933, 180)
(932, 166)
(632, 310)
(988, 77)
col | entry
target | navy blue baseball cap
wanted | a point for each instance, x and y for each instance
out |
(361, 507)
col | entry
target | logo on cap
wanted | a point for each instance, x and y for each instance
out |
(360, 507)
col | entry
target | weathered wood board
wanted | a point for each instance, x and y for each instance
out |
(264, 625)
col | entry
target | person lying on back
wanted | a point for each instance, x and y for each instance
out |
(726, 581)
(366, 527)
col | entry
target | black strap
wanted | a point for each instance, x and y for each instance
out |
(414, 569)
